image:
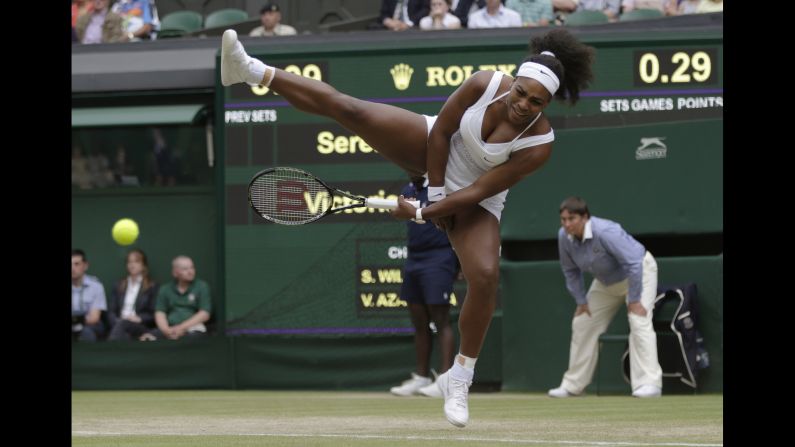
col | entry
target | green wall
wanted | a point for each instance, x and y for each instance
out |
(172, 221)
(372, 363)
(187, 363)
(681, 193)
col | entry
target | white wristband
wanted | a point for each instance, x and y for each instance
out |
(436, 193)
(418, 217)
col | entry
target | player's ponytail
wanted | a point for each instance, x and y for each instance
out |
(568, 58)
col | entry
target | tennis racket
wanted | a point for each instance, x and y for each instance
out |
(290, 196)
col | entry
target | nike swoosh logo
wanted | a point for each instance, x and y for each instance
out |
(488, 161)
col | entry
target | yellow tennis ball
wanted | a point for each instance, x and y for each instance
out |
(125, 231)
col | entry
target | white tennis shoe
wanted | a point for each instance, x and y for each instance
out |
(647, 391)
(236, 65)
(431, 390)
(455, 393)
(561, 393)
(411, 386)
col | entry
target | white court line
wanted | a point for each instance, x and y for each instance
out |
(408, 438)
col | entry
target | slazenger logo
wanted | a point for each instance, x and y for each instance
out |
(651, 148)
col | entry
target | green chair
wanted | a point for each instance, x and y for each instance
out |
(224, 17)
(585, 17)
(179, 23)
(641, 14)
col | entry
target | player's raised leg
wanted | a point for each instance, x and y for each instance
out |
(397, 134)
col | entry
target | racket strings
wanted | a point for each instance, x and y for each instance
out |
(289, 197)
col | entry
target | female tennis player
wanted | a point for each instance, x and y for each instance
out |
(490, 133)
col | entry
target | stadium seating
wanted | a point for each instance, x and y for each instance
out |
(586, 17)
(641, 14)
(224, 17)
(179, 23)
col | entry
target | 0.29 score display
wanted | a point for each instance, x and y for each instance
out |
(677, 67)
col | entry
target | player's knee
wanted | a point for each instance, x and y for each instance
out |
(484, 277)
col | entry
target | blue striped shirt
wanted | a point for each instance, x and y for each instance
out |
(89, 296)
(607, 252)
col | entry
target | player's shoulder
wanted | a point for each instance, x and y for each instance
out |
(481, 78)
(476, 84)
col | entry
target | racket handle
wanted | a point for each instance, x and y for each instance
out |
(387, 204)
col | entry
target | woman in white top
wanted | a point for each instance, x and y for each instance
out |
(490, 133)
(440, 17)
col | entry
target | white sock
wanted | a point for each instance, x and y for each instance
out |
(468, 362)
(463, 372)
(256, 71)
(270, 76)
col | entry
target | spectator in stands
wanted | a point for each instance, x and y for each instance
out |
(440, 17)
(707, 6)
(400, 15)
(124, 172)
(100, 25)
(428, 277)
(183, 305)
(131, 310)
(494, 15)
(561, 9)
(463, 8)
(140, 18)
(88, 301)
(611, 8)
(80, 175)
(271, 17)
(80, 7)
(566, 6)
(683, 7)
(624, 272)
(660, 5)
(166, 163)
(99, 170)
(533, 12)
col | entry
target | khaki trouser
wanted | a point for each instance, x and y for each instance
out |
(604, 302)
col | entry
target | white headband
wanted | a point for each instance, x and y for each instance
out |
(549, 53)
(540, 73)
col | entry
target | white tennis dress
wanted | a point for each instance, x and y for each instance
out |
(470, 156)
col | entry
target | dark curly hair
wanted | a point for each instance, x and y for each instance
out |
(572, 62)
